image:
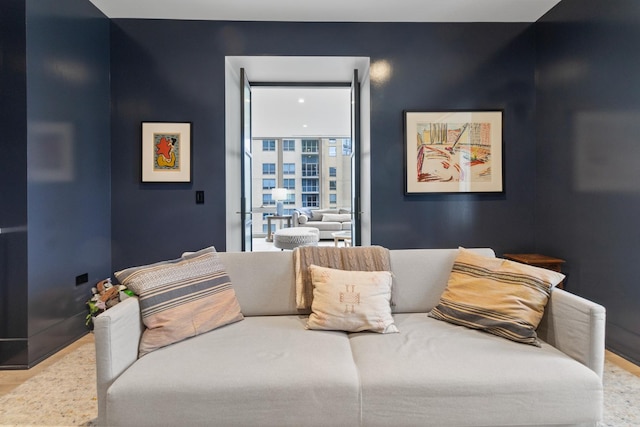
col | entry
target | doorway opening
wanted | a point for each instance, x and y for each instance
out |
(301, 148)
(275, 154)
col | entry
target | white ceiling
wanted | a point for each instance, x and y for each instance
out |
(331, 10)
(299, 112)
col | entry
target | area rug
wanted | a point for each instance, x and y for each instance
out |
(64, 394)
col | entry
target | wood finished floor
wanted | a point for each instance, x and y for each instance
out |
(11, 379)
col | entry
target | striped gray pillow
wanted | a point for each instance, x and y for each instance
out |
(498, 296)
(182, 298)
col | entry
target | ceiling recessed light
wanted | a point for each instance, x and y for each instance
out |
(301, 100)
(304, 126)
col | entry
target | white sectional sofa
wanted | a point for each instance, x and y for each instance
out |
(327, 221)
(269, 370)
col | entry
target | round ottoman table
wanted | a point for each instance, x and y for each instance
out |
(290, 238)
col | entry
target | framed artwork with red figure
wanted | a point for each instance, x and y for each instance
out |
(166, 152)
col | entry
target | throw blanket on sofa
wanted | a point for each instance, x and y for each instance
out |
(369, 258)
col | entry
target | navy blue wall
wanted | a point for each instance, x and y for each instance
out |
(588, 121)
(61, 133)
(13, 184)
(174, 71)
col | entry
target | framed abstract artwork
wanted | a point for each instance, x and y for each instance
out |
(166, 152)
(453, 152)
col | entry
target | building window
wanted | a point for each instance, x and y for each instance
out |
(264, 228)
(268, 168)
(332, 185)
(333, 151)
(268, 184)
(310, 201)
(332, 171)
(291, 199)
(269, 145)
(309, 145)
(289, 183)
(333, 199)
(289, 168)
(310, 185)
(289, 145)
(309, 165)
(267, 200)
(346, 147)
(332, 140)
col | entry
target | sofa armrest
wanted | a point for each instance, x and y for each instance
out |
(575, 326)
(117, 334)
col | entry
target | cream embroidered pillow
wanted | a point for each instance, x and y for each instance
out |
(351, 301)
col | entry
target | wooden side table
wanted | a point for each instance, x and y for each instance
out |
(537, 260)
(271, 218)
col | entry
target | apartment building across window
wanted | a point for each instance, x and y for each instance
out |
(315, 171)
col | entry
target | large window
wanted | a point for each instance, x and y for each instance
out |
(268, 184)
(268, 168)
(269, 145)
(289, 145)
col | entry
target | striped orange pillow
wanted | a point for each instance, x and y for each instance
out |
(182, 298)
(498, 296)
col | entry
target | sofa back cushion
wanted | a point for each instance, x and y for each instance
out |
(265, 281)
(421, 275)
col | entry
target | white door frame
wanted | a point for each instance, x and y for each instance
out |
(338, 69)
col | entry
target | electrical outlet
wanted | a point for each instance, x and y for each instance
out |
(199, 197)
(82, 279)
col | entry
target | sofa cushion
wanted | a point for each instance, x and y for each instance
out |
(351, 300)
(336, 217)
(263, 371)
(317, 214)
(436, 373)
(498, 296)
(325, 225)
(181, 298)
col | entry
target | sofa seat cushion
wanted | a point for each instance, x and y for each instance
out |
(325, 225)
(436, 373)
(262, 371)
